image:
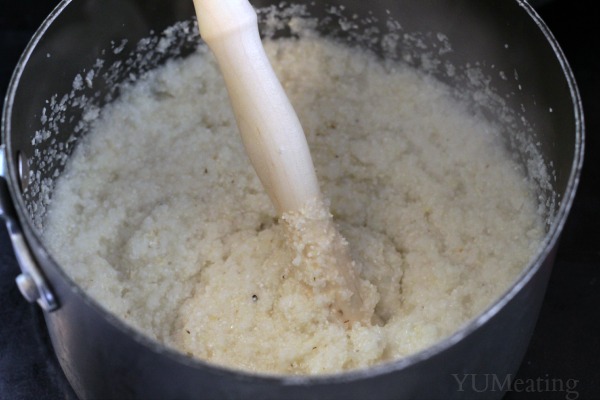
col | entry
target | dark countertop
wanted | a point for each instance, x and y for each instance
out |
(566, 342)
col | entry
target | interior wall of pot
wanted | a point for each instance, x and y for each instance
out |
(82, 55)
(491, 52)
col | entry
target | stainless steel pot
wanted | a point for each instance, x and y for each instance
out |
(103, 358)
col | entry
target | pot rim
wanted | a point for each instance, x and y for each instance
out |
(544, 248)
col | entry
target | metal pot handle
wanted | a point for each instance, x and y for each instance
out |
(31, 282)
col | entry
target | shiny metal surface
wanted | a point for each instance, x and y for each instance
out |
(31, 282)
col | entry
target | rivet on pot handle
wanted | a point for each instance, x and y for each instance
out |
(31, 281)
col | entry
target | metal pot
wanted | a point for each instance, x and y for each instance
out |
(104, 358)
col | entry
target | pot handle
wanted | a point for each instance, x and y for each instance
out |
(31, 282)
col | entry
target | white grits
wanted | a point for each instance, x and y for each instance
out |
(161, 219)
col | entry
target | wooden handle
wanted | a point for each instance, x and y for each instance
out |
(277, 147)
(268, 124)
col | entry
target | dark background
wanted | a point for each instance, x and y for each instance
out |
(566, 342)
